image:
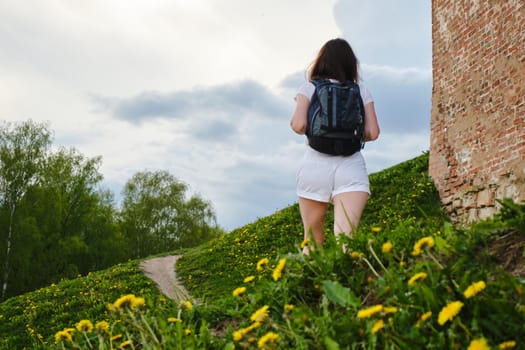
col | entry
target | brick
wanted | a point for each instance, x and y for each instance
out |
(478, 104)
(485, 198)
(485, 213)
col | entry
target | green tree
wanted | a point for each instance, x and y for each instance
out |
(104, 239)
(55, 221)
(23, 148)
(84, 215)
(157, 217)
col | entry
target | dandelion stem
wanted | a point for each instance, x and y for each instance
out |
(435, 260)
(371, 268)
(150, 330)
(467, 331)
(87, 340)
(375, 256)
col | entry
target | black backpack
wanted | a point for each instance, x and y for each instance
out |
(336, 118)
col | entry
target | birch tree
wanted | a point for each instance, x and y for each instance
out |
(23, 148)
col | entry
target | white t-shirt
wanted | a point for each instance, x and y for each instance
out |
(307, 89)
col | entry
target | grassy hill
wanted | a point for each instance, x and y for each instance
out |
(408, 280)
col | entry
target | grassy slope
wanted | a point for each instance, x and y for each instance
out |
(404, 204)
(23, 319)
(212, 270)
(401, 192)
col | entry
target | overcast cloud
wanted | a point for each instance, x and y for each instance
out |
(204, 89)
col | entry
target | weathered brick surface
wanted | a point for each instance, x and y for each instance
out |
(477, 145)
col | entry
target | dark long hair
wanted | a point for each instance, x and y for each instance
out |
(335, 60)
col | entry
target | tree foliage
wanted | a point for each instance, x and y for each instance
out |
(156, 215)
(57, 222)
(22, 152)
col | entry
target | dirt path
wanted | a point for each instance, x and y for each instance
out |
(162, 272)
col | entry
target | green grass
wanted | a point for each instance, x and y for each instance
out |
(316, 301)
(404, 200)
(32, 319)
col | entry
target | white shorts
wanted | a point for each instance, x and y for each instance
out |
(322, 176)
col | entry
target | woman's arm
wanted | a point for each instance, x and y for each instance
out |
(299, 120)
(371, 124)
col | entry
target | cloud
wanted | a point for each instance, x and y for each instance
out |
(293, 81)
(231, 143)
(393, 148)
(398, 74)
(216, 130)
(259, 184)
(396, 33)
(402, 98)
(231, 100)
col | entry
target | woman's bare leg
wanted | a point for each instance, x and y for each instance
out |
(348, 208)
(313, 214)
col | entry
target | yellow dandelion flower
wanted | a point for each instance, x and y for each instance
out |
(260, 315)
(389, 309)
(69, 330)
(249, 279)
(174, 320)
(125, 344)
(276, 274)
(425, 241)
(187, 331)
(426, 316)
(423, 318)
(474, 289)
(102, 326)
(377, 326)
(356, 255)
(238, 335)
(507, 345)
(138, 302)
(261, 263)
(238, 291)
(63, 336)
(84, 326)
(304, 243)
(369, 312)
(128, 301)
(417, 277)
(479, 344)
(387, 247)
(252, 327)
(255, 325)
(116, 337)
(376, 229)
(448, 312)
(124, 302)
(268, 338)
(288, 307)
(187, 305)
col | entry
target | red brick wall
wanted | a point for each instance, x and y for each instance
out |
(477, 145)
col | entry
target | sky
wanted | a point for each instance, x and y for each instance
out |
(205, 88)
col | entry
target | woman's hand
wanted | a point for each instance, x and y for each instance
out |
(299, 120)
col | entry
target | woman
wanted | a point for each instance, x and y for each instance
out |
(323, 178)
